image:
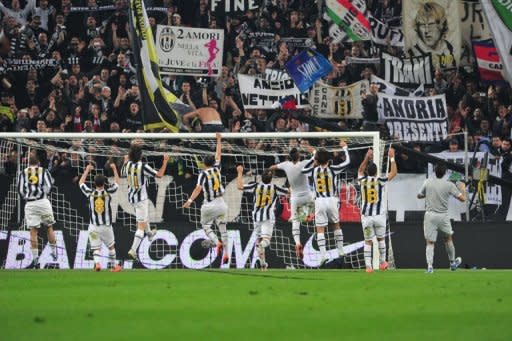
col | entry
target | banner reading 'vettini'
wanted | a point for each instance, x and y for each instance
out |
(349, 18)
(433, 26)
(189, 51)
(414, 118)
(260, 93)
(488, 60)
(160, 107)
(307, 67)
(499, 16)
(338, 102)
(407, 72)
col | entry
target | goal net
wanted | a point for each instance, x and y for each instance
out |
(178, 241)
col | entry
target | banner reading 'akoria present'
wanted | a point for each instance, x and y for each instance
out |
(338, 102)
(422, 119)
(189, 51)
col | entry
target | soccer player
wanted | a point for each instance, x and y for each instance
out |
(436, 192)
(325, 184)
(138, 174)
(265, 198)
(214, 209)
(34, 185)
(100, 215)
(301, 194)
(373, 209)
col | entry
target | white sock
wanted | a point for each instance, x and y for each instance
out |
(53, 247)
(261, 249)
(96, 256)
(224, 234)
(338, 236)
(112, 257)
(368, 255)
(296, 231)
(139, 235)
(210, 234)
(450, 250)
(382, 251)
(430, 254)
(35, 254)
(320, 240)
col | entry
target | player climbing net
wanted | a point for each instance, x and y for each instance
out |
(67, 154)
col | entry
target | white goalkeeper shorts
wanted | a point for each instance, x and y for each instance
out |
(101, 234)
(265, 228)
(214, 211)
(434, 222)
(39, 212)
(142, 211)
(374, 226)
(327, 210)
(300, 200)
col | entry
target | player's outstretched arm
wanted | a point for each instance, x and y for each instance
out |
(364, 164)
(240, 178)
(422, 192)
(161, 171)
(462, 195)
(193, 196)
(87, 170)
(393, 170)
(218, 149)
(116, 174)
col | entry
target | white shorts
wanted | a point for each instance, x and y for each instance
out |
(434, 222)
(264, 228)
(142, 211)
(39, 212)
(214, 211)
(101, 234)
(374, 226)
(299, 201)
(327, 210)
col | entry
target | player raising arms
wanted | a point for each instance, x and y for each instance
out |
(34, 185)
(301, 195)
(100, 215)
(265, 198)
(373, 210)
(138, 174)
(325, 183)
(436, 192)
(214, 209)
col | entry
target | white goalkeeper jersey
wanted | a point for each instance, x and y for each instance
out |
(299, 182)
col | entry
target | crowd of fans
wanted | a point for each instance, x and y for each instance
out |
(91, 86)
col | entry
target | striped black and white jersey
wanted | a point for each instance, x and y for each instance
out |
(100, 210)
(211, 181)
(372, 190)
(137, 175)
(265, 198)
(325, 179)
(34, 183)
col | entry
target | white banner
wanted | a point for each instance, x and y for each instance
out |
(391, 89)
(260, 93)
(433, 26)
(338, 102)
(408, 72)
(189, 51)
(383, 34)
(414, 118)
(473, 26)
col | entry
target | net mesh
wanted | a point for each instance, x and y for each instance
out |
(67, 159)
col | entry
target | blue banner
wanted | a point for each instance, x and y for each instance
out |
(307, 67)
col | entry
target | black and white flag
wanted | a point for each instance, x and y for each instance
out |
(408, 72)
(421, 119)
(391, 89)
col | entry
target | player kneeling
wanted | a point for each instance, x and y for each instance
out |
(265, 198)
(100, 227)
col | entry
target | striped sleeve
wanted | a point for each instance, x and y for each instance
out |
(49, 178)
(112, 188)
(149, 171)
(21, 184)
(383, 179)
(201, 179)
(250, 187)
(362, 177)
(308, 167)
(281, 190)
(85, 190)
(124, 169)
(339, 167)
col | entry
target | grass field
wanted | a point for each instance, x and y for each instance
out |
(243, 305)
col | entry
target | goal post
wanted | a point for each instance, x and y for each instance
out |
(67, 154)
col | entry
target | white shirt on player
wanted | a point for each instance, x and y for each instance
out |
(299, 182)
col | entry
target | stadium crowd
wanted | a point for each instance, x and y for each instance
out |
(86, 78)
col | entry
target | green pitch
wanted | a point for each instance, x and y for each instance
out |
(243, 305)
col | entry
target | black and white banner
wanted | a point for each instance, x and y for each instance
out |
(391, 89)
(408, 72)
(189, 51)
(422, 119)
(92, 9)
(473, 26)
(15, 64)
(338, 102)
(383, 34)
(234, 6)
(357, 60)
(260, 93)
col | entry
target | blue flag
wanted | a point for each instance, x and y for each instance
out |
(307, 67)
